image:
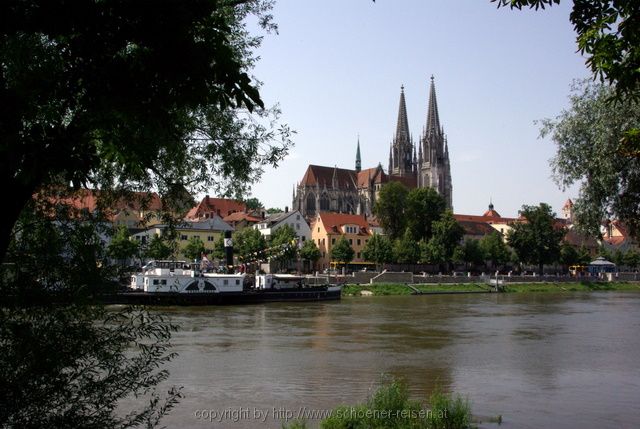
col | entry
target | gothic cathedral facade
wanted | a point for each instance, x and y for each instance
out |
(355, 191)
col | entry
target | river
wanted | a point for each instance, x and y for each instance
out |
(540, 360)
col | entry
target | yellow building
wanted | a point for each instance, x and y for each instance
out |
(328, 228)
(209, 231)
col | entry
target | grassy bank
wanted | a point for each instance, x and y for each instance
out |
(385, 289)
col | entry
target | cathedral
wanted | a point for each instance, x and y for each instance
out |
(355, 191)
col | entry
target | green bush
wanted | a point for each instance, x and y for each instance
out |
(390, 407)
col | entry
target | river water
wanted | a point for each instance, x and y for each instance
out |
(539, 360)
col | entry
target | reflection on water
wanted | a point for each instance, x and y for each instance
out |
(539, 360)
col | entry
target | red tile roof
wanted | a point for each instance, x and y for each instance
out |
(88, 199)
(239, 216)
(332, 222)
(491, 213)
(220, 206)
(323, 176)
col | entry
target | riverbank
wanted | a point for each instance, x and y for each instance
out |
(388, 289)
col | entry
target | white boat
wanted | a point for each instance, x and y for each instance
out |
(182, 277)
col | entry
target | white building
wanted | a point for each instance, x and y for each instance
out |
(270, 225)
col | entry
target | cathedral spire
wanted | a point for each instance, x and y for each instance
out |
(402, 128)
(433, 118)
(358, 160)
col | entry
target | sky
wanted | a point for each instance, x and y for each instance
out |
(336, 68)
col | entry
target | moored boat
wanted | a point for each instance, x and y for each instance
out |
(181, 283)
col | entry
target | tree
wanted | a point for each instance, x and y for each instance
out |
(158, 249)
(218, 249)
(249, 244)
(283, 244)
(406, 250)
(447, 234)
(194, 249)
(143, 97)
(253, 204)
(608, 34)
(632, 259)
(310, 252)
(423, 207)
(121, 246)
(536, 239)
(494, 249)
(342, 251)
(568, 255)
(378, 249)
(471, 253)
(65, 363)
(120, 97)
(389, 209)
(274, 210)
(592, 151)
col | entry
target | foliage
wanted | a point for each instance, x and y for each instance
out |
(194, 249)
(423, 206)
(593, 151)
(274, 210)
(342, 251)
(378, 249)
(75, 365)
(447, 234)
(136, 97)
(309, 251)
(536, 240)
(494, 249)
(609, 34)
(158, 249)
(632, 259)
(568, 255)
(448, 411)
(121, 246)
(218, 248)
(66, 362)
(389, 209)
(55, 249)
(471, 252)
(283, 244)
(390, 406)
(253, 204)
(406, 250)
(249, 244)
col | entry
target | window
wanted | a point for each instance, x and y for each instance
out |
(318, 229)
(237, 282)
(359, 242)
(155, 281)
(358, 255)
(297, 217)
(297, 226)
(333, 241)
(183, 237)
(225, 282)
(210, 238)
(351, 242)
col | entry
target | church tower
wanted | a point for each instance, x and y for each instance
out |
(401, 162)
(358, 160)
(434, 168)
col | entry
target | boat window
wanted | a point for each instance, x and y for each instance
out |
(163, 282)
(237, 282)
(155, 281)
